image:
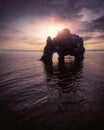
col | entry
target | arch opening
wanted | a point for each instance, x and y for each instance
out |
(55, 57)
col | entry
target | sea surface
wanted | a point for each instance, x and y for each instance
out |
(39, 96)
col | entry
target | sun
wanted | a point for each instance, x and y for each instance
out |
(49, 30)
(53, 30)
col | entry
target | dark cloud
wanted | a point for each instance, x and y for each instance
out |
(3, 38)
(62, 8)
(68, 9)
(87, 38)
(97, 24)
(100, 36)
(5, 28)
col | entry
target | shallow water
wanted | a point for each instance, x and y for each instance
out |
(34, 95)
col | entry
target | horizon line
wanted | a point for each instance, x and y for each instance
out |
(42, 50)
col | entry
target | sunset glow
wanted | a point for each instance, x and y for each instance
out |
(29, 29)
(52, 30)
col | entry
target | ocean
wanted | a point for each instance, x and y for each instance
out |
(39, 96)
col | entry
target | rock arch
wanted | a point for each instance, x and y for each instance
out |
(65, 43)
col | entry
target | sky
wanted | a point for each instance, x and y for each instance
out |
(26, 24)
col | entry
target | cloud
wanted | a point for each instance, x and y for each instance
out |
(93, 29)
(101, 36)
(22, 20)
(87, 38)
(97, 24)
(62, 8)
(8, 28)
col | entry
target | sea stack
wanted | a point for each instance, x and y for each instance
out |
(65, 43)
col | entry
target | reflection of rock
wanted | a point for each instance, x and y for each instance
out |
(64, 44)
(65, 76)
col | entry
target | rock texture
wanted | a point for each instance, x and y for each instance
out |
(65, 43)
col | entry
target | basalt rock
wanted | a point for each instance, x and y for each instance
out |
(65, 43)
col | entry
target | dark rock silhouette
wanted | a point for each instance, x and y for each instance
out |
(65, 43)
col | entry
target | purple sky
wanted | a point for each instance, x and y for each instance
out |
(25, 24)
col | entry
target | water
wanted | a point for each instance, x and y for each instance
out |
(38, 96)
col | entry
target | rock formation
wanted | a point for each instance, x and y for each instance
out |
(65, 43)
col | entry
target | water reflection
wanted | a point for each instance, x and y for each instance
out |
(65, 76)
